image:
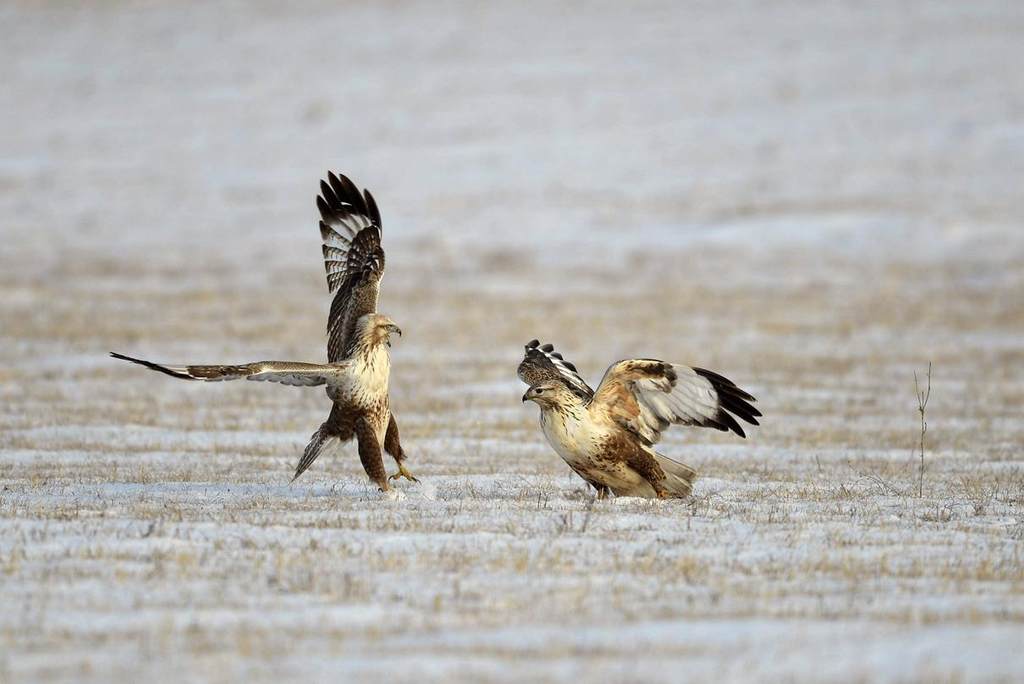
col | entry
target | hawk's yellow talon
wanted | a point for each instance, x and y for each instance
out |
(403, 472)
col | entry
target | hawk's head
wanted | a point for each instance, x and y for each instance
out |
(547, 394)
(377, 329)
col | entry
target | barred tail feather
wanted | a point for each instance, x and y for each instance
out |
(321, 441)
(679, 477)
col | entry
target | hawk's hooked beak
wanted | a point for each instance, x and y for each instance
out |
(392, 329)
(526, 396)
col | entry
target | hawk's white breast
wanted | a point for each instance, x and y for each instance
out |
(373, 372)
(571, 434)
(364, 380)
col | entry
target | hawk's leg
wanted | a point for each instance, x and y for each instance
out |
(602, 493)
(645, 466)
(370, 454)
(393, 446)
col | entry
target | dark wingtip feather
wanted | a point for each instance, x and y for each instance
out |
(152, 366)
(724, 384)
(347, 191)
(333, 180)
(329, 197)
(371, 206)
(731, 423)
(732, 399)
(540, 360)
(741, 408)
(323, 206)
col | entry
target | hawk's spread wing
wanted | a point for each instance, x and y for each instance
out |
(351, 231)
(284, 372)
(646, 396)
(543, 364)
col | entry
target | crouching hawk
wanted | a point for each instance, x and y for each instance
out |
(358, 339)
(607, 437)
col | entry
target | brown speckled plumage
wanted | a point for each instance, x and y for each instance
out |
(607, 436)
(358, 368)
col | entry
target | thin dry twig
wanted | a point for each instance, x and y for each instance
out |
(922, 404)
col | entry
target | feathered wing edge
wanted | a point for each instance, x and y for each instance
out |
(289, 373)
(350, 227)
(679, 477)
(541, 363)
(322, 440)
(284, 372)
(344, 214)
(731, 399)
(646, 396)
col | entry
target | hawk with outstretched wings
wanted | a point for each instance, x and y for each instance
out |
(607, 436)
(358, 365)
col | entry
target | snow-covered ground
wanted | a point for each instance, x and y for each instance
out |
(816, 199)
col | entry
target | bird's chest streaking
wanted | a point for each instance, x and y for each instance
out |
(595, 451)
(364, 387)
(372, 373)
(571, 434)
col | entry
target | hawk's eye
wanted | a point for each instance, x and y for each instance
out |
(540, 390)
